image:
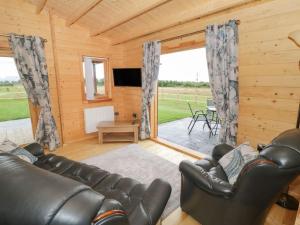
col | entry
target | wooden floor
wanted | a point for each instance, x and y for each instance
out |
(89, 148)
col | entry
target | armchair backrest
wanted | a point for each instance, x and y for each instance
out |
(262, 180)
(284, 150)
(282, 156)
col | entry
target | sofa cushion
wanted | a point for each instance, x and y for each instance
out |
(38, 197)
(127, 191)
(234, 161)
(143, 204)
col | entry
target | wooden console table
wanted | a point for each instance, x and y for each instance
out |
(118, 131)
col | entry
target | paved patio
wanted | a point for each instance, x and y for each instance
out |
(18, 131)
(198, 140)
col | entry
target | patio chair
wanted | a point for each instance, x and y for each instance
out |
(197, 115)
(193, 113)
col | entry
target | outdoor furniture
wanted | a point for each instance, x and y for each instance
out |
(193, 113)
(197, 115)
(214, 121)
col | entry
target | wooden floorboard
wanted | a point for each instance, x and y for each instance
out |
(89, 148)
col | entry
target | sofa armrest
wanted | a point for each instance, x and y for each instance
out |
(35, 149)
(153, 203)
(115, 217)
(204, 181)
(111, 212)
(220, 150)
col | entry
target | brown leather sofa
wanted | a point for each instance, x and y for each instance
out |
(59, 191)
(208, 197)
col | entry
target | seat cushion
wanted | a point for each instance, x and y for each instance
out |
(127, 191)
(218, 172)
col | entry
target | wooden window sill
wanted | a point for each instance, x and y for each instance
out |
(98, 100)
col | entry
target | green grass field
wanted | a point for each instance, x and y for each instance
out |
(172, 102)
(13, 103)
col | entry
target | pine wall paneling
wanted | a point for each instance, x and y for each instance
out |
(269, 71)
(26, 21)
(64, 48)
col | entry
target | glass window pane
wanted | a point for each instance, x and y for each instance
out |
(100, 78)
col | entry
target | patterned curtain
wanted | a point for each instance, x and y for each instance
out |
(150, 71)
(222, 53)
(30, 59)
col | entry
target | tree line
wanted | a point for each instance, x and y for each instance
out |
(175, 83)
(9, 83)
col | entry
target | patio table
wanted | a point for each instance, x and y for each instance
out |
(214, 118)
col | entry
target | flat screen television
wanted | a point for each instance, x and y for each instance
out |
(131, 77)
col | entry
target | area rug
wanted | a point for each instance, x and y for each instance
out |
(134, 162)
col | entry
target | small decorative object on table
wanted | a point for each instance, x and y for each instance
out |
(135, 120)
(116, 114)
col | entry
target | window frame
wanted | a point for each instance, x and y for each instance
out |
(107, 86)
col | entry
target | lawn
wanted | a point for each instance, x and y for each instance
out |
(13, 103)
(12, 109)
(172, 102)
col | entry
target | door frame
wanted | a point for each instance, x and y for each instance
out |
(154, 104)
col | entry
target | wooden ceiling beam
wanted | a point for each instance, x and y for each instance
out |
(40, 6)
(214, 12)
(82, 12)
(142, 12)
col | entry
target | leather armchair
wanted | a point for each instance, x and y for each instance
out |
(209, 198)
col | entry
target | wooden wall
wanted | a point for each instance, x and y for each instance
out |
(64, 49)
(269, 73)
(269, 64)
(25, 21)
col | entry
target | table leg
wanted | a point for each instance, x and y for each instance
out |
(100, 137)
(136, 136)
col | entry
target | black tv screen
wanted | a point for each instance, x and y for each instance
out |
(128, 77)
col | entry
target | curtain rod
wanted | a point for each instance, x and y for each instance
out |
(188, 34)
(7, 35)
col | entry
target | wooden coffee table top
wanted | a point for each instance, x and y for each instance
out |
(116, 124)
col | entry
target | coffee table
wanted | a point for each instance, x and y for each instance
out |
(117, 131)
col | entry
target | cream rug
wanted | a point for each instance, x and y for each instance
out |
(134, 162)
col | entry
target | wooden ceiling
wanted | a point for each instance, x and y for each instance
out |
(125, 20)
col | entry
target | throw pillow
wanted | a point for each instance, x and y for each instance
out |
(13, 148)
(24, 154)
(234, 161)
(7, 145)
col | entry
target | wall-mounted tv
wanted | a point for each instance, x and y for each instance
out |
(131, 77)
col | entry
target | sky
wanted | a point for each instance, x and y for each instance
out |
(189, 65)
(8, 69)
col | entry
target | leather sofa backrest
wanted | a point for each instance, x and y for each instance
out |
(284, 150)
(30, 195)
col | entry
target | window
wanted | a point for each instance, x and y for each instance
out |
(15, 121)
(95, 78)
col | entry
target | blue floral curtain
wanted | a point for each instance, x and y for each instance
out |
(222, 53)
(31, 63)
(150, 71)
